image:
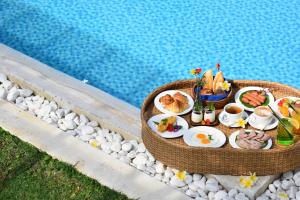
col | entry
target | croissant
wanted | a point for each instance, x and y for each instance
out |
(166, 100)
(180, 97)
(177, 106)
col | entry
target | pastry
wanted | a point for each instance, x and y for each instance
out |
(208, 80)
(218, 81)
(177, 106)
(166, 100)
(180, 97)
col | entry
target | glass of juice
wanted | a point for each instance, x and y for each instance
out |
(285, 131)
(296, 116)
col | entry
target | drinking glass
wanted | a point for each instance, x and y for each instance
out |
(285, 137)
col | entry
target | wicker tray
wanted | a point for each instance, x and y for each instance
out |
(226, 160)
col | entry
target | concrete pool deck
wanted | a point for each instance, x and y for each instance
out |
(110, 112)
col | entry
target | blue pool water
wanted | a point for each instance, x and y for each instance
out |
(128, 48)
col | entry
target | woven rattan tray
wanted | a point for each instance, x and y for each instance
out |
(225, 160)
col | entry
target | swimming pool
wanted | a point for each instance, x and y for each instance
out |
(128, 48)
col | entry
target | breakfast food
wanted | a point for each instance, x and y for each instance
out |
(218, 81)
(252, 139)
(176, 103)
(288, 106)
(212, 85)
(254, 98)
(168, 124)
(203, 138)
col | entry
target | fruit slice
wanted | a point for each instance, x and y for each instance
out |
(294, 122)
(284, 110)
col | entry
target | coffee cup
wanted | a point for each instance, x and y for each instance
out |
(233, 112)
(262, 115)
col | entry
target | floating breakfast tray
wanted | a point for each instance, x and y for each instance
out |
(225, 160)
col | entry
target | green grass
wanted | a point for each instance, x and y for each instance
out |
(27, 173)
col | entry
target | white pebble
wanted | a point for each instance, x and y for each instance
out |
(272, 188)
(87, 130)
(169, 173)
(101, 139)
(139, 160)
(116, 147)
(7, 85)
(131, 154)
(212, 187)
(159, 168)
(196, 177)
(127, 147)
(141, 148)
(220, 195)
(92, 123)
(233, 192)
(188, 179)
(286, 184)
(86, 138)
(117, 138)
(241, 196)
(60, 113)
(70, 116)
(176, 183)
(141, 167)
(277, 183)
(3, 93)
(262, 198)
(83, 119)
(292, 192)
(191, 193)
(287, 175)
(151, 170)
(12, 95)
(211, 195)
(19, 100)
(25, 92)
(69, 124)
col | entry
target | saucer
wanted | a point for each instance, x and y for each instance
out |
(227, 123)
(272, 124)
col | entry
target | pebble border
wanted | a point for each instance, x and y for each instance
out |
(196, 186)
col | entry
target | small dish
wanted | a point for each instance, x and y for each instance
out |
(161, 108)
(271, 125)
(276, 107)
(232, 141)
(180, 121)
(229, 123)
(269, 100)
(218, 138)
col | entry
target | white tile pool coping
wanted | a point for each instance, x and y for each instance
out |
(97, 105)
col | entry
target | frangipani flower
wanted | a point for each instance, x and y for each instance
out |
(196, 71)
(242, 123)
(94, 143)
(283, 195)
(181, 175)
(249, 181)
(225, 86)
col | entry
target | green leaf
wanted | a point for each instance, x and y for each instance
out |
(156, 122)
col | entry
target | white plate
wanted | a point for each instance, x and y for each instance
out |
(232, 139)
(161, 108)
(272, 124)
(275, 104)
(245, 89)
(218, 137)
(227, 123)
(180, 121)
